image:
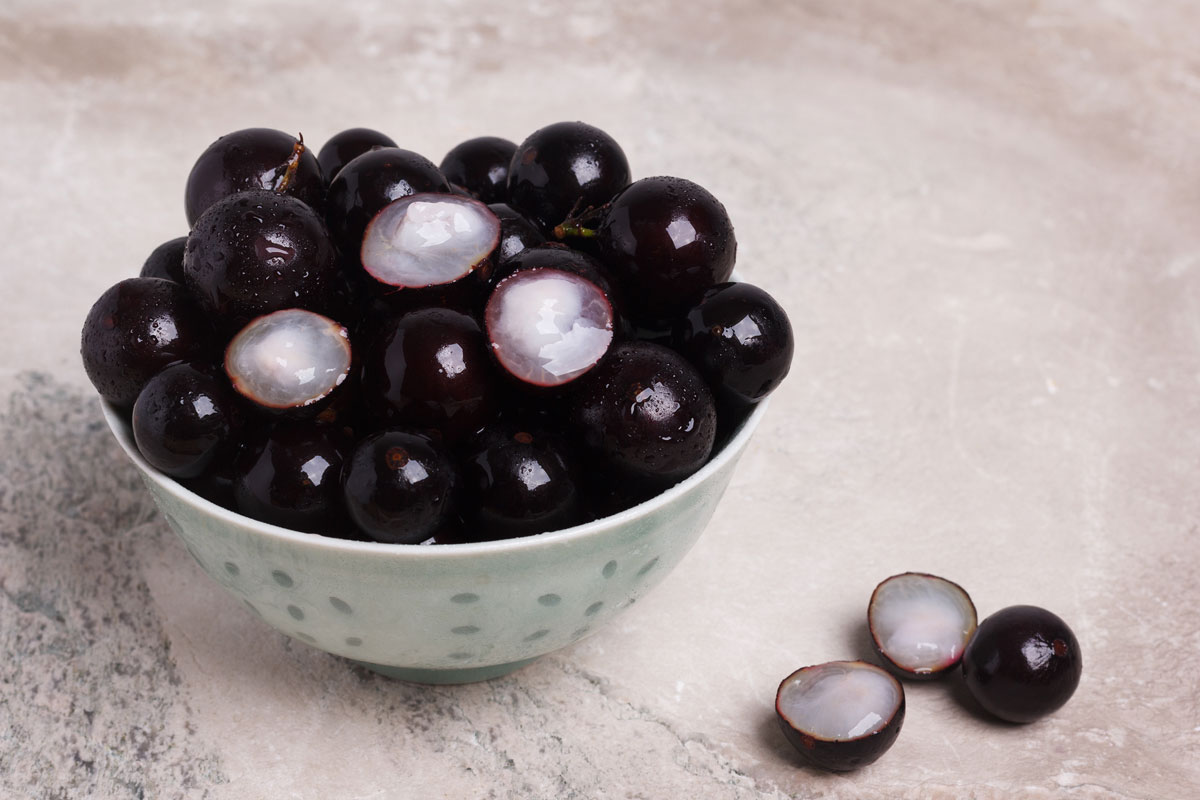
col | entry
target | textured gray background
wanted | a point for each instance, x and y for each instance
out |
(982, 219)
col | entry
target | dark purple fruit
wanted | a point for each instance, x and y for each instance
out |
(518, 481)
(554, 255)
(645, 412)
(430, 369)
(292, 478)
(428, 239)
(398, 487)
(288, 360)
(183, 418)
(517, 233)
(481, 167)
(565, 169)
(166, 261)
(840, 715)
(1022, 663)
(368, 183)
(347, 145)
(136, 328)
(547, 326)
(920, 624)
(257, 252)
(667, 240)
(740, 339)
(254, 158)
(215, 484)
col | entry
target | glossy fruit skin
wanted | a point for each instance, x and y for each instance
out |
(291, 477)
(842, 755)
(166, 261)
(518, 481)
(480, 166)
(368, 183)
(668, 240)
(517, 233)
(136, 328)
(645, 412)
(183, 418)
(398, 486)
(553, 255)
(1022, 663)
(564, 168)
(430, 369)
(253, 158)
(345, 146)
(740, 339)
(257, 252)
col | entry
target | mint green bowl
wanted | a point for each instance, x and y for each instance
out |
(447, 613)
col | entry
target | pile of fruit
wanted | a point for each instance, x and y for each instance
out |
(363, 344)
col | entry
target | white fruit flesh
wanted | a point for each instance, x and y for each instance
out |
(921, 622)
(428, 240)
(288, 359)
(548, 326)
(840, 700)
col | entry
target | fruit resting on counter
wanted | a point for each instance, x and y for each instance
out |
(1019, 664)
(363, 344)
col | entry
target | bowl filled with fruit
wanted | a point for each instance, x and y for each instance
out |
(437, 419)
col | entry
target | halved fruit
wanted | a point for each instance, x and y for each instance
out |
(840, 715)
(920, 623)
(289, 359)
(428, 239)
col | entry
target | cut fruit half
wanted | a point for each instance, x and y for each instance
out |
(428, 239)
(288, 359)
(548, 326)
(840, 715)
(920, 624)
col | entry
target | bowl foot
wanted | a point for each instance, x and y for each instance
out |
(446, 676)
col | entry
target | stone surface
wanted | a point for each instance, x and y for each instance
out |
(981, 217)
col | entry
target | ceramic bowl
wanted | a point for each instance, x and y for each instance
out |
(451, 613)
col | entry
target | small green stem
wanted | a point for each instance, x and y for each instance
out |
(573, 229)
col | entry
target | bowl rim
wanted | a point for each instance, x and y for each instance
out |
(733, 446)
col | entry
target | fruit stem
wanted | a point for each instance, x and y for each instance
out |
(572, 229)
(293, 164)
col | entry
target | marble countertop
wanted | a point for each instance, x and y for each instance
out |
(982, 219)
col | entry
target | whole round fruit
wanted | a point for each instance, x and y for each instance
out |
(840, 715)
(291, 477)
(429, 369)
(136, 328)
(166, 261)
(740, 339)
(1022, 663)
(368, 183)
(183, 418)
(257, 252)
(563, 169)
(345, 146)
(398, 487)
(254, 158)
(480, 166)
(645, 412)
(518, 481)
(668, 240)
